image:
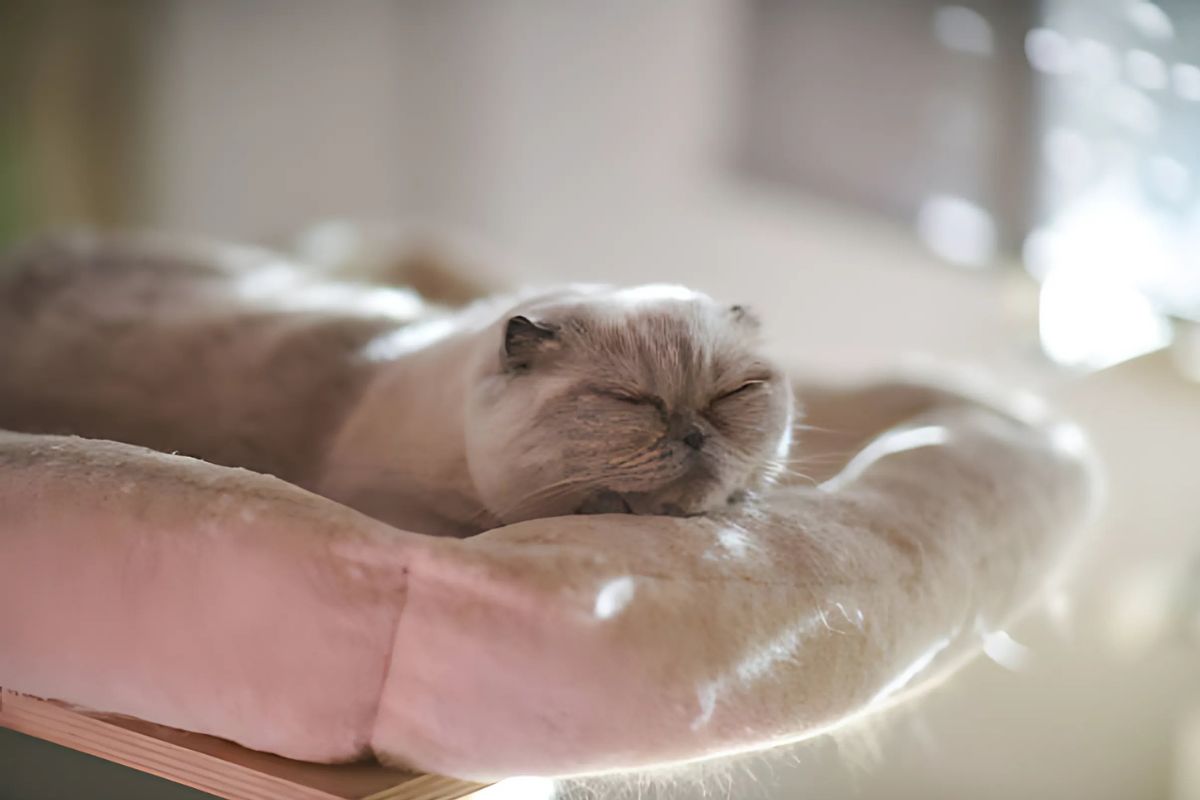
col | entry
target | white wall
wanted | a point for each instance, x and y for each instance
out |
(265, 115)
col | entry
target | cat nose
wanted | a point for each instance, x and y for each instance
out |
(694, 439)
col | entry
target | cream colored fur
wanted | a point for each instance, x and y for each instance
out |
(406, 411)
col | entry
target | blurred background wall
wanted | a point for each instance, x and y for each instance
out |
(71, 100)
(999, 183)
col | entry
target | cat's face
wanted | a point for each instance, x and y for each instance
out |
(651, 400)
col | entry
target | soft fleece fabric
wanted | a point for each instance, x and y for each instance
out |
(230, 603)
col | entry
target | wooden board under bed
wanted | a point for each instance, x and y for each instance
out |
(215, 765)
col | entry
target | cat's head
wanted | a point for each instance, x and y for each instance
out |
(653, 400)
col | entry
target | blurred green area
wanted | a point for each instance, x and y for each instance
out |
(31, 769)
(71, 89)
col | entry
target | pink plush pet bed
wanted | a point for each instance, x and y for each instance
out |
(232, 603)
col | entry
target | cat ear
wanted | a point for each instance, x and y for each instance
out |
(745, 316)
(524, 339)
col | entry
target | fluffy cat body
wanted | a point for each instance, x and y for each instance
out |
(583, 399)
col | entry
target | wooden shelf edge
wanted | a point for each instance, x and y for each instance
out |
(227, 770)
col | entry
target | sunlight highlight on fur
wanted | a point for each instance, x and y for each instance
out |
(886, 445)
(408, 339)
(286, 288)
(734, 541)
(656, 292)
(762, 661)
(911, 671)
(613, 597)
(1006, 651)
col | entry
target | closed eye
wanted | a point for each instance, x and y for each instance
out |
(746, 387)
(631, 398)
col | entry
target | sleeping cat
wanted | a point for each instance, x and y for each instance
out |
(651, 400)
